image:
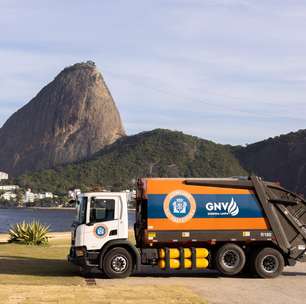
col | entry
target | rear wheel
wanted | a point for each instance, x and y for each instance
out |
(230, 259)
(117, 263)
(268, 263)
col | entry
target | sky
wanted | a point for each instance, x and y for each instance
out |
(231, 71)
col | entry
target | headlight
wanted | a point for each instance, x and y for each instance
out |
(79, 251)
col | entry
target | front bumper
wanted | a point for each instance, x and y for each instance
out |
(83, 258)
(77, 260)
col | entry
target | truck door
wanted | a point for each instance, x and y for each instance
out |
(103, 221)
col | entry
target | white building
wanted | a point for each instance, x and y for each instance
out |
(74, 193)
(3, 175)
(9, 196)
(29, 196)
(43, 195)
(9, 187)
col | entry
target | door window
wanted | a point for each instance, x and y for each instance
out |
(102, 210)
(81, 210)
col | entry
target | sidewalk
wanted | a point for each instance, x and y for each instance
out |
(3, 237)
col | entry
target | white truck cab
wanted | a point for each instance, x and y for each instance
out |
(101, 217)
(101, 224)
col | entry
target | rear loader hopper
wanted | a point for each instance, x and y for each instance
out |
(233, 225)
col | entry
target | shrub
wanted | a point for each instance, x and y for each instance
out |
(33, 233)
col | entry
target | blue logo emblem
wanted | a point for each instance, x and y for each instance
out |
(100, 231)
(179, 206)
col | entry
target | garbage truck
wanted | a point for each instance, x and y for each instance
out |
(232, 225)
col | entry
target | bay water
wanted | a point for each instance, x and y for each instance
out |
(59, 220)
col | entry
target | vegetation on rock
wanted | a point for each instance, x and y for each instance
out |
(158, 153)
(281, 159)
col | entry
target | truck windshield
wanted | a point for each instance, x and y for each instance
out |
(81, 207)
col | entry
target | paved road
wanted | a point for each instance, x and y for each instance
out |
(290, 288)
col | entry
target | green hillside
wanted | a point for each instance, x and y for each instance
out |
(281, 159)
(160, 152)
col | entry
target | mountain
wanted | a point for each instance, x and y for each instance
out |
(282, 159)
(70, 119)
(71, 135)
(161, 153)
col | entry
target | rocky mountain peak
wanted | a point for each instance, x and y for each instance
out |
(70, 119)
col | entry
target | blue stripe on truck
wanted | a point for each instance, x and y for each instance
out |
(212, 206)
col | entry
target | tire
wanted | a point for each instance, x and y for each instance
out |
(230, 259)
(268, 263)
(117, 263)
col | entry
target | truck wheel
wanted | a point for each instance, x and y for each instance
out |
(230, 259)
(268, 263)
(117, 263)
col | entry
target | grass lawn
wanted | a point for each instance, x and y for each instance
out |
(30, 274)
(119, 294)
(35, 265)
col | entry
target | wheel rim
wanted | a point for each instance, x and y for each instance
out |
(270, 263)
(230, 259)
(119, 263)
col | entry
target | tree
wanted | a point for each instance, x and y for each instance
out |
(19, 196)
